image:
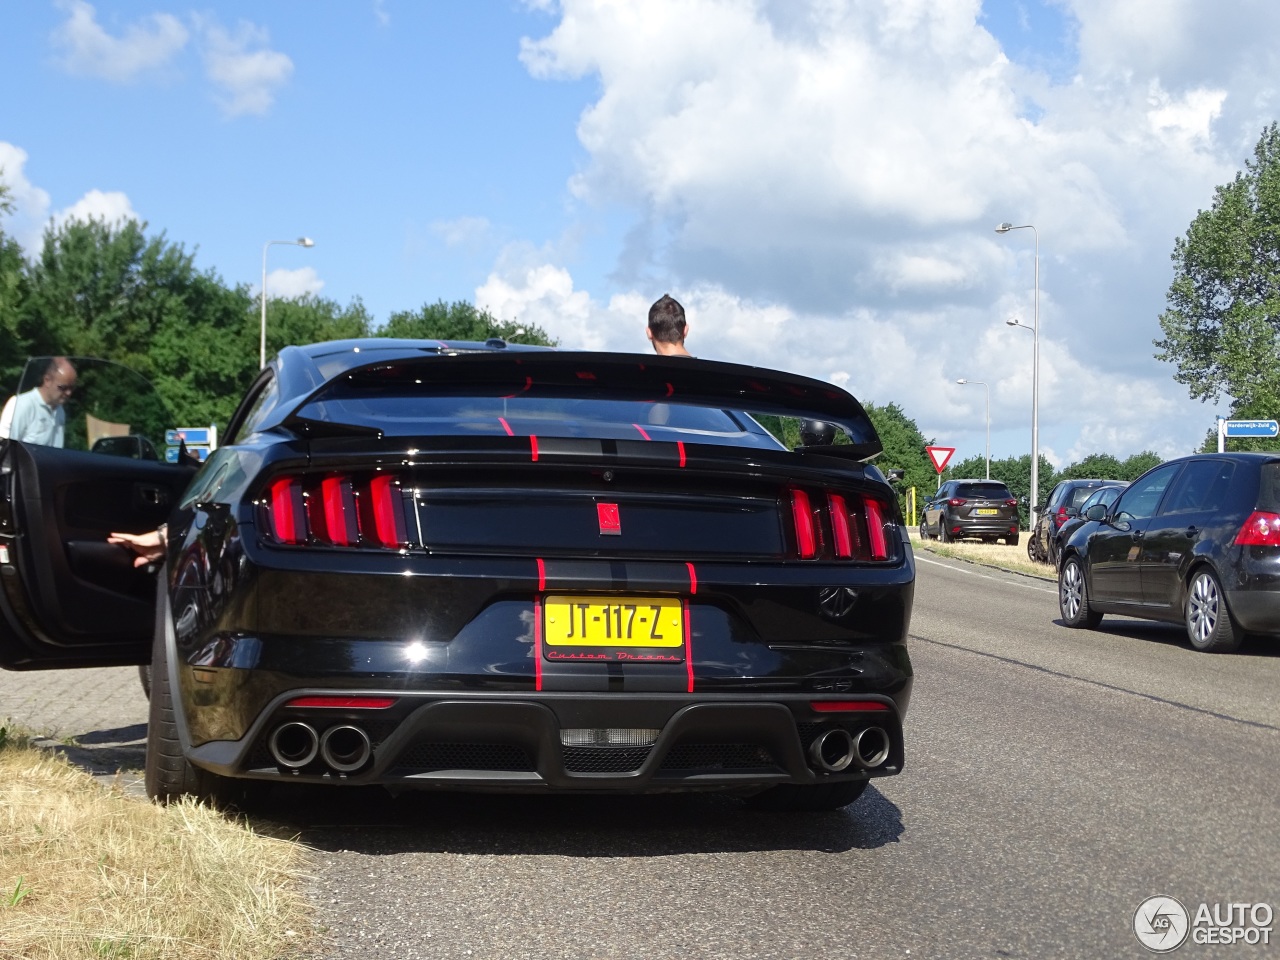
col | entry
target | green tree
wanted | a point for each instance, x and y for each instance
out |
(1100, 466)
(903, 450)
(12, 294)
(460, 321)
(1138, 464)
(1222, 321)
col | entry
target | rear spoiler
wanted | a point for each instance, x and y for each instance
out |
(590, 375)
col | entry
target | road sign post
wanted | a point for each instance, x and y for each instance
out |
(1245, 428)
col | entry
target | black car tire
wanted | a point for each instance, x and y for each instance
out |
(1209, 626)
(1055, 553)
(815, 798)
(144, 675)
(167, 773)
(1073, 596)
(1031, 547)
(924, 529)
(942, 530)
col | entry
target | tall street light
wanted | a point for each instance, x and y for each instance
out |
(1035, 369)
(300, 242)
(963, 381)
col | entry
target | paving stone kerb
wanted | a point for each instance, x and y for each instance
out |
(103, 704)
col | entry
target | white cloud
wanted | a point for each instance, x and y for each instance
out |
(85, 48)
(821, 179)
(292, 284)
(112, 207)
(30, 203)
(463, 232)
(246, 74)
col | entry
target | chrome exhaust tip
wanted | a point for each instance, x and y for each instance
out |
(871, 747)
(345, 748)
(294, 744)
(833, 750)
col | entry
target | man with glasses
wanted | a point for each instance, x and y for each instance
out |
(38, 416)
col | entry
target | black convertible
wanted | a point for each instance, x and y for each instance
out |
(485, 567)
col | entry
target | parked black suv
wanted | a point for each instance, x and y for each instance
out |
(979, 509)
(1194, 540)
(1044, 542)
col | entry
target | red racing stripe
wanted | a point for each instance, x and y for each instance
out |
(533, 446)
(641, 429)
(506, 426)
(537, 643)
(688, 645)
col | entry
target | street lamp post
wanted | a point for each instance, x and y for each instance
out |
(1035, 367)
(262, 347)
(963, 381)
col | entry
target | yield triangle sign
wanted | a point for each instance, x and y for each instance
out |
(939, 456)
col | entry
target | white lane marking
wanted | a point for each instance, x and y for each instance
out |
(987, 576)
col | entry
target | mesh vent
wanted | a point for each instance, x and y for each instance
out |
(604, 759)
(717, 756)
(466, 756)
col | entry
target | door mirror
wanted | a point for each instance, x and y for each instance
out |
(1096, 512)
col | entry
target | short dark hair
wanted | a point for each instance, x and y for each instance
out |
(666, 320)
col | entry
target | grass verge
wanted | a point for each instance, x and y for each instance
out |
(86, 871)
(998, 555)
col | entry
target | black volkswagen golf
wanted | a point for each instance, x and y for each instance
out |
(476, 566)
(1193, 541)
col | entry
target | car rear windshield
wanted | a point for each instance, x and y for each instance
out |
(403, 416)
(984, 491)
(1269, 488)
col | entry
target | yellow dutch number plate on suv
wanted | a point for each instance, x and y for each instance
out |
(613, 622)
(986, 512)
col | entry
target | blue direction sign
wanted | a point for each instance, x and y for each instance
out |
(1251, 428)
(197, 435)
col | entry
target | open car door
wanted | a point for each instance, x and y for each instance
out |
(67, 597)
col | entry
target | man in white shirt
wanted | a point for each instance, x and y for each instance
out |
(38, 416)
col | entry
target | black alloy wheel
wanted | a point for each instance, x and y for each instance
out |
(1031, 547)
(924, 529)
(1073, 596)
(1209, 626)
(943, 536)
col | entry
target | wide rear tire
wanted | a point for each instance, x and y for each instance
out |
(1209, 626)
(803, 798)
(1073, 596)
(167, 773)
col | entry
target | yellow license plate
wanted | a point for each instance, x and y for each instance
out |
(986, 512)
(613, 621)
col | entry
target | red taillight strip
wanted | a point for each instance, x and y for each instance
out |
(287, 519)
(840, 525)
(802, 516)
(680, 447)
(642, 431)
(846, 706)
(688, 646)
(388, 518)
(875, 530)
(693, 580)
(533, 446)
(537, 642)
(506, 426)
(343, 703)
(339, 505)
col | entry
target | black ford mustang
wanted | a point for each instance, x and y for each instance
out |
(476, 566)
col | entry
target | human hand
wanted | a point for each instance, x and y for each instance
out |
(149, 547)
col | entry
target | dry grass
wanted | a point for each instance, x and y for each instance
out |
(988, 554)
(87, 872)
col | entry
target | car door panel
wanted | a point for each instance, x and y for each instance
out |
(69, 598)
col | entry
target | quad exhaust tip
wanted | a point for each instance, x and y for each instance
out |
(294, 745)
(345, 748)
(835, 750)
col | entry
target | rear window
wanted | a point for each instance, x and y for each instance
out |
(1080, 494)
(544, 417)
(983, 491)
(1269, 489)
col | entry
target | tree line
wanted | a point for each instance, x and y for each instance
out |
(111, 291)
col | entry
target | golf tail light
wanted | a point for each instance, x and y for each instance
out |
(1262, 529)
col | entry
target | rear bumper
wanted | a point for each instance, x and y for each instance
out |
(983, 526)
(514, 743)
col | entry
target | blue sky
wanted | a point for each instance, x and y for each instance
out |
(817, 180)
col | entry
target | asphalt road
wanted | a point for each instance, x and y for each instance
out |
(1055, 779)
